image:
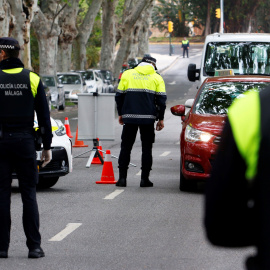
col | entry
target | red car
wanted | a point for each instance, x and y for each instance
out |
(124, 68)
(202, 125)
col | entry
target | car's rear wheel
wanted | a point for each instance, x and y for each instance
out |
(47, 182)
(185, 184)
(62, 106)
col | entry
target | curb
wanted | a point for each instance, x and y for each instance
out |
(167, 67)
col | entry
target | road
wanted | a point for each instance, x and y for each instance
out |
(135, 228)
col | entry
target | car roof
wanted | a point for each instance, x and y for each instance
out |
(228, 37)
(239, 78)
(68, 73)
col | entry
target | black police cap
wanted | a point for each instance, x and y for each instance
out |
(149, 59)
(9, 43)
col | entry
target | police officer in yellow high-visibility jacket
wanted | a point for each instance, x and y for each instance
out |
(21, 93)
(237, 205)
(141, 100)
(185, 46)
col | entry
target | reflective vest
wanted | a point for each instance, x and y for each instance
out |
(185, 42)
(245, 119)
(18, 88)
(142, 88)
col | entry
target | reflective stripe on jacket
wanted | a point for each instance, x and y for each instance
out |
(245, 119)
(141, 96)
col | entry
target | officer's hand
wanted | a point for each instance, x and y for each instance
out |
(160, 125)
(46, 157)
(120, 119)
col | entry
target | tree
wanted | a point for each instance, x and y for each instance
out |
(131, 14)
(84, 31)
(5, 16)
(67, 23)
(47, 30)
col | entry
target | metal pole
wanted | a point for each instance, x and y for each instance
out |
(221, 16)
(170, 45)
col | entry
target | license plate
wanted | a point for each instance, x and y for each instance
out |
(38, 155)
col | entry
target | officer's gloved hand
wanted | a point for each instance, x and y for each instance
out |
(46, 157)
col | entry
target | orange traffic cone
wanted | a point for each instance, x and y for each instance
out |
(68, 128)
(96, 160)
(107, 176)
(78, 143)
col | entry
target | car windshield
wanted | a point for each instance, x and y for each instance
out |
(242, 57)
(215, 98)
(88, 75)
(69, 79)
(49, 81)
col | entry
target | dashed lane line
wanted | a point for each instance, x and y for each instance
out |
(113, 194)
(165, 154)
(64, 233)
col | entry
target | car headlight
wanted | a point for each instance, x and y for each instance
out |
(195, 135)
(61, 128)
(75, 92)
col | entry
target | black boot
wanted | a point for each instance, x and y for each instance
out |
(122, 182)
(145, 182)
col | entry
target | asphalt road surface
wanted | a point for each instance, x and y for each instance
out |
(86, 226)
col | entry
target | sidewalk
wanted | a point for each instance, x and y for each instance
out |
(164, 61)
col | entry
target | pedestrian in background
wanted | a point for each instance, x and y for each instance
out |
(141, 99)
(185, 47)
(21, 93)
(237, 204)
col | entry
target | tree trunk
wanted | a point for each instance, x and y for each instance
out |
(22, 15)
(208, 19)
(67, 22)
(47, 30)
(85, 30)
(131, 18)
(108, 34)
(5, 17)
(143, 46)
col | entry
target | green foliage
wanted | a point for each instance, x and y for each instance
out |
(119, 10)
(92, 55)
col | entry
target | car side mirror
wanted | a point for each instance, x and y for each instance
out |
(193, 73)
(178, 110)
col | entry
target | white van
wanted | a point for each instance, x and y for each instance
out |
(244, 53)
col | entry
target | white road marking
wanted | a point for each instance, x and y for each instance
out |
(172, 83)
(75, 118)
(113, 194)
(165, 154)
(139, 173)
(64, 233)
(178, 142)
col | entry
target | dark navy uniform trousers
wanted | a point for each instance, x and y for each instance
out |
(128, 138)
(17, 152)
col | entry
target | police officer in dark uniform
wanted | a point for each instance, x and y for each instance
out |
(21, 93)
(185, 46)
(141, 99)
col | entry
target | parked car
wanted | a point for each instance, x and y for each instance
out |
(108, 80)
(93, 81)
(203, 120)
(73, 84)
(133, 62)
(61, 163)
(56, 90)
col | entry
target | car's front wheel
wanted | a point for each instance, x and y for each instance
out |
(185, 184)
(47, 182)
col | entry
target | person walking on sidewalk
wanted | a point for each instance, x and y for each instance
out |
(185, 47)
(21, 93)
(141, 99)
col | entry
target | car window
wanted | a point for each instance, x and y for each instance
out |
(88, 75)
(49, 81)
(215, 98)
(242, 57)
(69, 79)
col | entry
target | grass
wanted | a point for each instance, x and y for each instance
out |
(195, 39)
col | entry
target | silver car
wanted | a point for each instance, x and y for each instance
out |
(73, 84)
(56, 90)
